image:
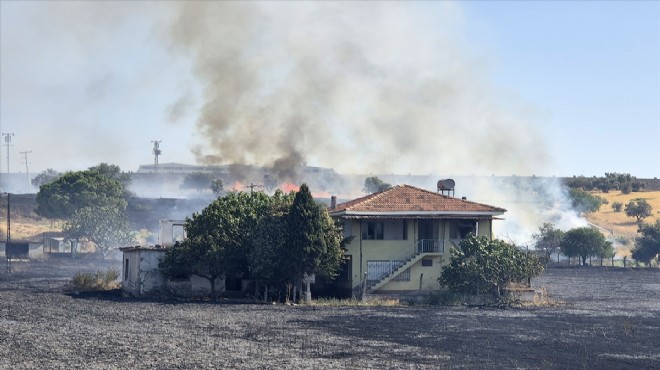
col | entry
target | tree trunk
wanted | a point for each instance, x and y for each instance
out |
(212, 281)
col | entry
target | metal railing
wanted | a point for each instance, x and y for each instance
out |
(430, 246)
(382, 269)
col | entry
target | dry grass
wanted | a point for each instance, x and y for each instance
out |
(101, 280)
(617, 223)
(30, 227)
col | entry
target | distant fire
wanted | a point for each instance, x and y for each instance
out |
(289, 187)
(238, 186)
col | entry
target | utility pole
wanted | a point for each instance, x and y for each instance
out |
(8, 234)
(252, 186)
(156, 152)
(27, 168)
(7, 144)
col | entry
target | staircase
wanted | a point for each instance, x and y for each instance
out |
(421, 249)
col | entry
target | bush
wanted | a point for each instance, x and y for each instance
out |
(617, 206)
(487, 266)
(96, 281)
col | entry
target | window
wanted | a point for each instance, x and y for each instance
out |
(427, 262)
(405, 230)
(373, 231)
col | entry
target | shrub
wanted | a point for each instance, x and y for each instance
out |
(99, 280)
(617, 206)
(487, 266)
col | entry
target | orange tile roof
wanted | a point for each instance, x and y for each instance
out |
(406, 198)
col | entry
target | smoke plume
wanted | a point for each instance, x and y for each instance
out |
(360, 87)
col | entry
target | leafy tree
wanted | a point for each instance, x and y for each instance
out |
(548, 239)
(45, 177)
(313, 239)
(583, 201)
(93, 205)
(197, 180)
(606, 251)
(638, 208)
(106, 227)
(617, 206)
(217, 186)
(486, 266)
(265, 259)
(647, 244)
(113, 172)
(584, 242)
(218, 238)
(76, 190)
(374, 184)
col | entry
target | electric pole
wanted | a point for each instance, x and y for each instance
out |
(252, 186)
(156, 152)
(7, 144)
(27, 168)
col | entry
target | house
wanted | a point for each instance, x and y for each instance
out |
(402, 237)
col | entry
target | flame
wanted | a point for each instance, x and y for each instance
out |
(238, 186)
(288, 187)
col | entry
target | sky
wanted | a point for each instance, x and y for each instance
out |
(553, 88)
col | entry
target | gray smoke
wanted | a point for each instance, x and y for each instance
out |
(360, 87)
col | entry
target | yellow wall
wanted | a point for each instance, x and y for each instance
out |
(383, 250)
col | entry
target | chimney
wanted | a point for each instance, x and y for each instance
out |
(333, 202)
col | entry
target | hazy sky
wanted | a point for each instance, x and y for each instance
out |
(547, 88)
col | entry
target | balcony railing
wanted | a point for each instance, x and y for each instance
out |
(430, 246)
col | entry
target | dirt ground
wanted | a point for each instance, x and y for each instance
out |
(610, 319)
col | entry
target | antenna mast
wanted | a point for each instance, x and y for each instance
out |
(156, 151)
(7, 144)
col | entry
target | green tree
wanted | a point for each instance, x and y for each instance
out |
(374, 184)
(217, 186)
(548, 239)
(617, 206)
(45, 177)
(486, 266)
(198, 181)
(584, 202)
(106, 227)
(584, 242)
(269, 244)
(113, 172)
(218, 239)
(647, 244)
(638, 208)
(76, 190)
(313, 239)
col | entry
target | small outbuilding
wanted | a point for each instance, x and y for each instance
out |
(22, 249)
(140, 272)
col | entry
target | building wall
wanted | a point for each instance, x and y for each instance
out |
(394, 247)
(140, 272)
(36, 249)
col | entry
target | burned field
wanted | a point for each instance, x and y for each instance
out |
(610, 319)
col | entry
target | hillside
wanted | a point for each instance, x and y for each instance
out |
(620, 225)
